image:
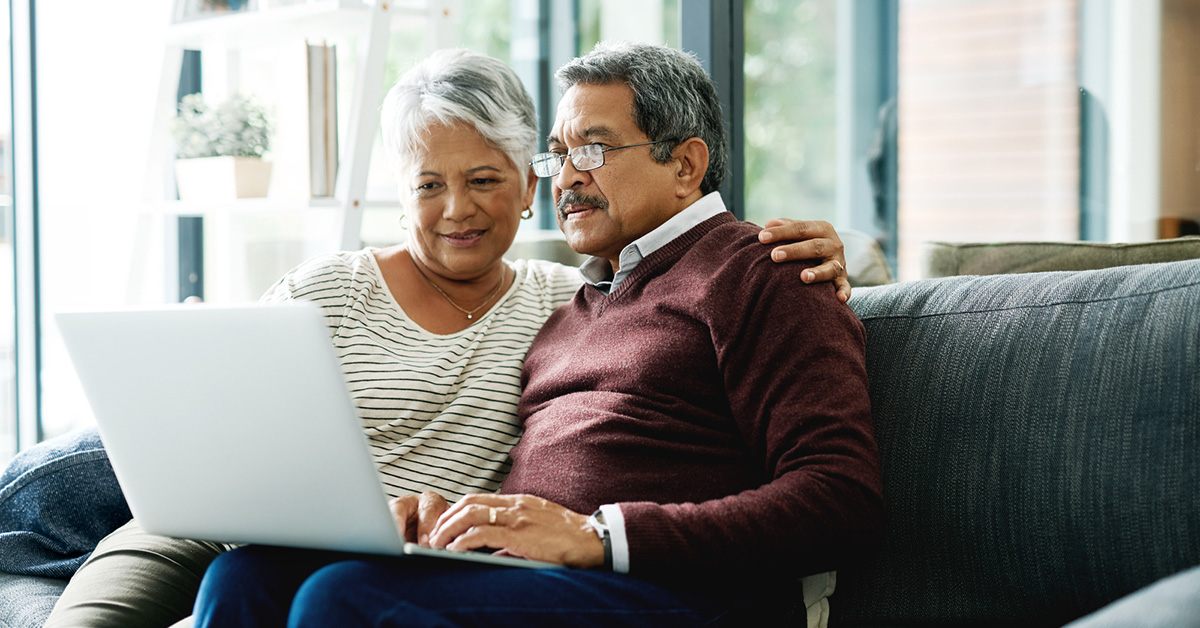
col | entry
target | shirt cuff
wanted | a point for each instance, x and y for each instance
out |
(615, 521)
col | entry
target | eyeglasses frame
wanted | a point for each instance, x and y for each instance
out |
(562, 157)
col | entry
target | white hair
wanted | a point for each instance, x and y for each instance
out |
(453, 86)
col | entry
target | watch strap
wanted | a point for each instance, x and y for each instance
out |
(601, 528)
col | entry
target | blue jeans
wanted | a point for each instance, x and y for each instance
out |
(265, 587)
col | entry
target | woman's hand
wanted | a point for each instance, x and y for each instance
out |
(810, 239)
(416, 515)
(519, 525)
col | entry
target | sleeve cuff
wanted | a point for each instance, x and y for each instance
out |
(615, 521)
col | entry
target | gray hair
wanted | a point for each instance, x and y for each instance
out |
(452, 86)
(673, 98)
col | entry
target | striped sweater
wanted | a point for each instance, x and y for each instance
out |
(439, 411)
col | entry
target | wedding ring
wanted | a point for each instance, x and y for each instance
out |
(492, 516)
(841, 269)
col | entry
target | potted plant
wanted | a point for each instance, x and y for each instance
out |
(220, 149)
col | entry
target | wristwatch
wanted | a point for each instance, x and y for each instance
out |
(602, 531)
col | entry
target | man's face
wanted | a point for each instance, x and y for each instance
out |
(603, 210)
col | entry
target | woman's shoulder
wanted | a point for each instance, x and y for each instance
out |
(554, 280)
(343, 265)
(354, 261)
(549, 272)
(325, 275)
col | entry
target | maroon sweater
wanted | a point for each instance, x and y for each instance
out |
(720, 401)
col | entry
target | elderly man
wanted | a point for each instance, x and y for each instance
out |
(697, 427)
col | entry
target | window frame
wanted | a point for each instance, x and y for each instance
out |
(26, 240)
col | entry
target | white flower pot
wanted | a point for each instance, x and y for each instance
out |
(222, 178)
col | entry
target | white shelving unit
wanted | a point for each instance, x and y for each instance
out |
(221, 38)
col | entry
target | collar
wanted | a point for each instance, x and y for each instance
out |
(597, 271)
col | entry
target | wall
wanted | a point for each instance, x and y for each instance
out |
(988, 123)
(1181, 109)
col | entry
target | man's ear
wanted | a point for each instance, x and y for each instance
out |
(691, 158)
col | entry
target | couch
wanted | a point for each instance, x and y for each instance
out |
(1040, 439)
(946, 259)
(1039, 436)
(59, 477)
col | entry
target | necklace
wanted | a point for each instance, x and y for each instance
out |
(470, 313)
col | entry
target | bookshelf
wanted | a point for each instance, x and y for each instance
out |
(222, 38)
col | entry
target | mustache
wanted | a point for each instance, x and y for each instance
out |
(571, 197)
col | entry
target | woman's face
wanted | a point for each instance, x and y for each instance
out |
(464, 199)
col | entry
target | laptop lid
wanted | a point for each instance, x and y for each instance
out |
(232, 424)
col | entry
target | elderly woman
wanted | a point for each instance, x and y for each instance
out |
(431, 334)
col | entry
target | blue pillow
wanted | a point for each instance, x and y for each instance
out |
(57, 500)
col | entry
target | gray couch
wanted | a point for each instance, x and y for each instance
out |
(1040, 435)
(26, 601)
(946, 259)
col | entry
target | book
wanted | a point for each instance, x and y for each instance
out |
(322, 118)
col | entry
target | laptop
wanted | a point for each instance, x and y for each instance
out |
(234, 424)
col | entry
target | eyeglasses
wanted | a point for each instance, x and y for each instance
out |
(588, 157)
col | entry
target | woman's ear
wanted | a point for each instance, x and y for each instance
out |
(530, 188)
(692, 159)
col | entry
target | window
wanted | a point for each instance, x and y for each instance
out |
(95, 94)
(911, 120)
(8, 331)
(514, 32)
(1004, 119)
(648, 21)
(791, 110)
(989, 123)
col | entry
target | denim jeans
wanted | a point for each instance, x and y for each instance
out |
(265, 587)
(57, 500)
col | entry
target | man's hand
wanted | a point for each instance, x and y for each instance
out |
(810, 239)
(416, 515)
(519, 525)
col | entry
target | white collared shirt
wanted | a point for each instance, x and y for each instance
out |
(597, 271)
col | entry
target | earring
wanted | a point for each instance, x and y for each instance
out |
(403, 223)
(527, 213)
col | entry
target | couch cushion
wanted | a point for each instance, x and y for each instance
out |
(865, 263)
(946, 259)
(26, 601)
(57, 500)
(1039, 436)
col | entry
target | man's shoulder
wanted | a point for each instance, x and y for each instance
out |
(732, 245)
(736, 235)
(731, 263)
